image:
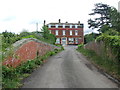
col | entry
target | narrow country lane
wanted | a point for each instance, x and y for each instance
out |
(67, 69)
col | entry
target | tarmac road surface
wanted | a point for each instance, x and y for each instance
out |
(68, 69)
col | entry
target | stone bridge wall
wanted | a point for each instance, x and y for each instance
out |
(27, 49)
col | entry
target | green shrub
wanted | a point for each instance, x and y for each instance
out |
(27, 67)
(8, 72)
(51, 53)
(29, 36)
(38, 62)
(105, 64)
(80, 46)
(56, 50)
(11, 76)
(112, 42)
(58, 45)
(62, 48)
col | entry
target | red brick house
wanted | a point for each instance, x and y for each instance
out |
(67, 33)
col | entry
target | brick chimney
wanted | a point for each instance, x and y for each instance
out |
(66, 22)
(59, 21)
(44, 22)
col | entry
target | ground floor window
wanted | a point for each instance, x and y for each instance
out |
(76, 40)
(71, 40)
(58, 41)
(64, 40)
(50, 31)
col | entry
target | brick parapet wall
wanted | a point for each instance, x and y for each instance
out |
(100, 49)
(27, 49)
(95, 46)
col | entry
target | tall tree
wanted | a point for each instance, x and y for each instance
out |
(46, 34)
(103, 11)
(45, 31)
(115, 19)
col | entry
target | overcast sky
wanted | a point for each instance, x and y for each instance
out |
(16, 15)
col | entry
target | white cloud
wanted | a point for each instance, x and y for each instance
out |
(23, 14)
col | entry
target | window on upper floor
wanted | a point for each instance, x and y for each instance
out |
(76, 32)
(70, 32)
(60, 26)
(67, 26)
(76, 26)
(63, 32)
(70, 26)
(73, 26)
(79, 26)
(52, 26)
(56, 32)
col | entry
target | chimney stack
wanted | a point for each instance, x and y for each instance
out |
(59, 21)
(44, 22)
(66, 22)
(78, 22)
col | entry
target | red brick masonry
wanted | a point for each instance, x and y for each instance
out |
(27, 51)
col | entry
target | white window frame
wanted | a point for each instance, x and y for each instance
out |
(70, 26)
(49, 26)
(63, 26)
(71, 40)
(56, 26)
(64, 40)
(76, 40)
(71, 32)
(58, 41)
(50, 31)
(56, 32)
(63, 32)
(76, 32)
(76, 26)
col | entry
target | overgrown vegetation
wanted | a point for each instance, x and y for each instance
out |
(105, 64)
(8, 38)
(11, 77)
(90, 37)
(112, 42)
(107, 21)
(108, 24)
(108, 17)
(47, 35)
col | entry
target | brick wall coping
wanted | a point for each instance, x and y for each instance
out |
(19, 43)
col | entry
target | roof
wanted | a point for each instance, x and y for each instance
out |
(65, 24)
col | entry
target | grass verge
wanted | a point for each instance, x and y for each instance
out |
(12, 77)
(109, 66)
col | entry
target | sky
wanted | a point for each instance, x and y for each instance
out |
(19, 15)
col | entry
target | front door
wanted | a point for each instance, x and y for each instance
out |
(64, 41)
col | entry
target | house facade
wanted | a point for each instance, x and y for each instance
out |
(67, 33)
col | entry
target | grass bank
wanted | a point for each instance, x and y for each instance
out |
(12, 77)
(109, 66)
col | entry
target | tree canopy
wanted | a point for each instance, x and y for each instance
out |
(103, 10)
(108, 17)
(47, 35)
